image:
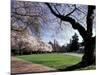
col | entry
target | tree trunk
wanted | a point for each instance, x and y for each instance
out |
(89, 52)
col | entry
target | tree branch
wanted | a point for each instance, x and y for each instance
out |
(72, 11)
(57, 10)
(72, 21)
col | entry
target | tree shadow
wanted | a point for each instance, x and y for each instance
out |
(75, 67)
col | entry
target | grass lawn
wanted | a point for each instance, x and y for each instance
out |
(54, 60)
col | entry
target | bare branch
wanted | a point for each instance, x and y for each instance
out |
(57, 10)
(72, 21)
(80, 11)
(57, 15)
(71, 11)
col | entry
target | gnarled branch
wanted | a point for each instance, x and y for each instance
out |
(72, 21)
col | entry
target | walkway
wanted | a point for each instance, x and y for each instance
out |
(21, 66)
(74, 54)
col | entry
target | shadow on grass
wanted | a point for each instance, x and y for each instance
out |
(79, 66)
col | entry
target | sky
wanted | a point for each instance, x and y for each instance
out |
(63, 37)
(53, 31)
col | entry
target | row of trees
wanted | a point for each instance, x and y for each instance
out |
(24, 43)
(73, 46)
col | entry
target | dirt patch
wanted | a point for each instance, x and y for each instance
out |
(19, 66)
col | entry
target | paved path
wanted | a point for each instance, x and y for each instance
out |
(74, 54)
(22, 66)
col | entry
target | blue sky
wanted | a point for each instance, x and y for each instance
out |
(63, 37)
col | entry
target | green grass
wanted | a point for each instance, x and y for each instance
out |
(54, 60)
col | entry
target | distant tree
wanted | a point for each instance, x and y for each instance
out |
(50, 43)
(74, 43)
(55, 45)
(63, 49)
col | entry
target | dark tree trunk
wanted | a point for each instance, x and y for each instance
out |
(89, 41)
(89, 51)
